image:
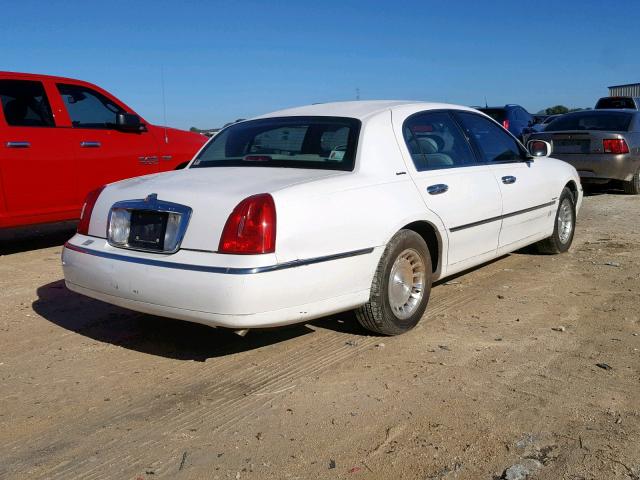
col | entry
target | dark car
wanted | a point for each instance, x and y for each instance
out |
(632, 103)
(602, 145)
(512, 117)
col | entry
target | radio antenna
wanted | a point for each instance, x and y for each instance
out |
(485, 102)
(164, 105)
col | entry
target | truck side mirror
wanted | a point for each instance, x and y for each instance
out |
(129, 122)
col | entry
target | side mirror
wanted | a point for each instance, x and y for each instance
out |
(539, 148)
(129, 122)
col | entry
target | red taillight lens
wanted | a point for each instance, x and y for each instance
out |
(87, 208)
(505, 124)
(251, 227)
(615, 145)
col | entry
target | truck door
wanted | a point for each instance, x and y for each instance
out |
(104, 153)
(37, 168)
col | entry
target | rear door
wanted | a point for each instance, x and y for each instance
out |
(104, 153)
(526, 196)
(37, 167)
(461, 191)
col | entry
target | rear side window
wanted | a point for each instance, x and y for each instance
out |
(494, 143)
(616, 102)
(25, 104)
(327, 143)
(435, 141)
(605, 121)
(88, 108)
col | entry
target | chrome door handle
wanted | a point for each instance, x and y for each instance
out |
(509, 179)
(90, 144)
(437, 189)
(18, 144)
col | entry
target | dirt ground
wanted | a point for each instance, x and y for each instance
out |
(500, 378)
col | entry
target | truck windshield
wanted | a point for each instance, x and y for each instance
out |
(498, 114)
(327, 143)
(616, 102)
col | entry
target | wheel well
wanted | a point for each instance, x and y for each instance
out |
(574, 190)
(430, 236)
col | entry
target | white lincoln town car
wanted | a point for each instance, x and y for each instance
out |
(322, 209)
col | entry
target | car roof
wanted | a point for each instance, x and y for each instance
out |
(37, 76)
(360, 109)
(601, 111)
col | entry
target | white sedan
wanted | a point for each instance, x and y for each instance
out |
(321, 209)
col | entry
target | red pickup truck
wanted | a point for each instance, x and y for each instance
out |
(61, 138)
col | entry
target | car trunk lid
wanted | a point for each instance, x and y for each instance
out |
(210, 193)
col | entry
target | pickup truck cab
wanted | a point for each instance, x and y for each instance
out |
(61, 138)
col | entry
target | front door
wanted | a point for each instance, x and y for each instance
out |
(104, 153)
(462, 192)
(526, 195)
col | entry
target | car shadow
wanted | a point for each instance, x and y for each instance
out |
(25, 239)
(595, 190)
(165, 337)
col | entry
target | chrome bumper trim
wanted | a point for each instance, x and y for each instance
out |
(210, 269)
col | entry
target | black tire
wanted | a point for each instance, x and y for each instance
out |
(632, 187)
(558, 243)
(378, 315)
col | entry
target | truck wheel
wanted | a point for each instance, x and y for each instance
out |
(632, 187)
(400, 288)
(564, 227)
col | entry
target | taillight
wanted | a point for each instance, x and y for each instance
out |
(251, 227)
(505, 124)
(87, 209)
(615, 145)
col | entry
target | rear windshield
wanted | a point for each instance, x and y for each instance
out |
(607, 121)
(616, 102)
(327, 143)
(498, 114)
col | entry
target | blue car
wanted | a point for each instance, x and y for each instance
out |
(512, 117)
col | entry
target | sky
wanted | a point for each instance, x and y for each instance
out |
(226, 60)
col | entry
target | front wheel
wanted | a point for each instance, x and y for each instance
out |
(564, 227)
(400, 288)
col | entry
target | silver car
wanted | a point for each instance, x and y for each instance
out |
(603, 145)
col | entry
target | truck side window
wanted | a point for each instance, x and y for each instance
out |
(25, 104)
(88, 108)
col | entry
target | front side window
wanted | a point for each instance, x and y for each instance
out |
(494, 143)
(88, 108)
(435, 141)
(327, 143)
(25, 104)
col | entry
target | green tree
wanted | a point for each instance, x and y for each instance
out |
(558, 109)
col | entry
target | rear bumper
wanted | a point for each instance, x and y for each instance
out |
(603, 167)
(187, 287)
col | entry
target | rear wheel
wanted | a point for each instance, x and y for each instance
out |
(401, 286)
(565, 223)
(632, 187)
